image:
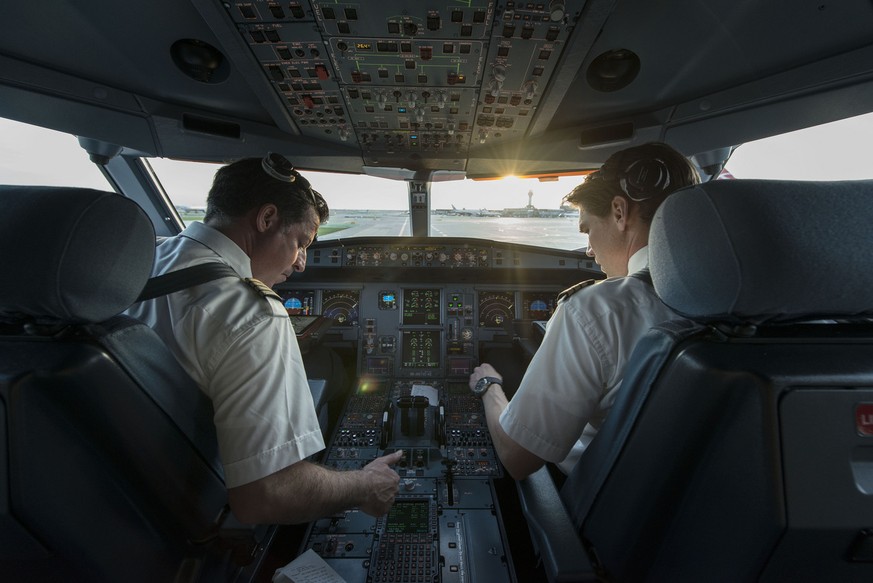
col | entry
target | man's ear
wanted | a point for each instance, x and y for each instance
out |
(267, 218)
(619, 210)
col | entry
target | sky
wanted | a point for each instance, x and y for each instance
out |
(836, 151)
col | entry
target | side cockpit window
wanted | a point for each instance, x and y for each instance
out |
(32, 155)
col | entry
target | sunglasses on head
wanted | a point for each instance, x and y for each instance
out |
(281, 168)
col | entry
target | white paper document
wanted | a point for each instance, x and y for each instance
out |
(426, 391)
(307, 568)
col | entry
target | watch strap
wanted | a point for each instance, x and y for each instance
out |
(485, 382)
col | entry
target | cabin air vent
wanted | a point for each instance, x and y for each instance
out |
(200, 60)
(613, 70)
(610, 134)
(213, 127)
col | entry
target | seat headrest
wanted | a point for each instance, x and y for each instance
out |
(71, 254)
(765, 250)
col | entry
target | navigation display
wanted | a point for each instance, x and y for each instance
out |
(420, 348)
(341, 305)
(421, 306)
(496, 308)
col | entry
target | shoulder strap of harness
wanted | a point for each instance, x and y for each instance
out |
(644, 275)
(186, 277)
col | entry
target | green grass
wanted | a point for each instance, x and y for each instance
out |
(331, 228)
(322, 230)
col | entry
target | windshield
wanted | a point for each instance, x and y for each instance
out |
(517, 210)
(832, 151)
(528, 211)
(31, 155)
(514, 210)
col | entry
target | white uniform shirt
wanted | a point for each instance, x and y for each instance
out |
(572, 380)
(241, 349)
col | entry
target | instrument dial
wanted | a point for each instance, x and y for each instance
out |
(341, 305)
(538, 305)
(495, 308)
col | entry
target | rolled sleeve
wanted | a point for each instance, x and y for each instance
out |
(264, 415)
(560, 391)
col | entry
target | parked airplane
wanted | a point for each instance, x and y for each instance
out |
(462, 212)
(739, 447)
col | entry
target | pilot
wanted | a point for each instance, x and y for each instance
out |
(234, 337)
(572, 380)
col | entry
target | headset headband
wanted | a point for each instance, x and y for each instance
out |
(642, 179)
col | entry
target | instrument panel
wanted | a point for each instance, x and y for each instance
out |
(417, 318)
(417, 256)
(445, 525)
(460, 254)
(415, 331)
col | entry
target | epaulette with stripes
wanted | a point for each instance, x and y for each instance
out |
(574, 288)
(262, 288)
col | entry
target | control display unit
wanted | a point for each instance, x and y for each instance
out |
(409, 517)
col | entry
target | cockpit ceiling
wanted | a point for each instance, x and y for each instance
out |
(481, 87)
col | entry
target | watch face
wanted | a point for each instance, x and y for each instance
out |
(483, 384)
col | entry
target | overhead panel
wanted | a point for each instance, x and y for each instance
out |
(525, 45)
(412, 84)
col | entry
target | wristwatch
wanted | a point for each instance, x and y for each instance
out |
(483, 384)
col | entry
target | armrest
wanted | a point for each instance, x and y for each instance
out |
(529, 346)
(532, 344)
(238, 548)
(564, 558)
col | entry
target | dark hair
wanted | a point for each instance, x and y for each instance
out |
(244, 185)
(595, 194)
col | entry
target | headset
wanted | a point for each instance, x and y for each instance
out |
(642, 179)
